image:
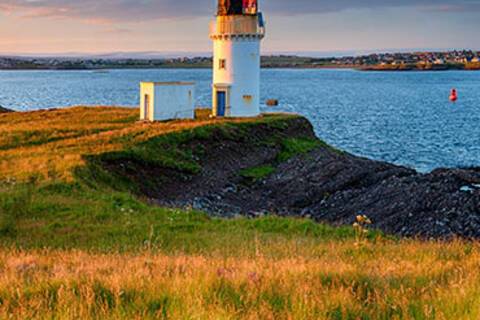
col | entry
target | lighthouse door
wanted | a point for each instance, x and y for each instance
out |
(221, 103)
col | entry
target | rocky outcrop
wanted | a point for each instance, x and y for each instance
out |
(5, 110)
(444, 203)
(325, 184)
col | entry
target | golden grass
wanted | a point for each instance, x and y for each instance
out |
(408, 280)
(42, 142)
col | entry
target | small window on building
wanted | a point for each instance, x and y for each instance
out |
(222, 65)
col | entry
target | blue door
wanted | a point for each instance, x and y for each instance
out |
(221, 103)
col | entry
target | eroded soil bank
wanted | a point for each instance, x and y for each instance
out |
(280, 167)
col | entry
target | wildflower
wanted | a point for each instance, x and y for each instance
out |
(254, 277)
(361, 231)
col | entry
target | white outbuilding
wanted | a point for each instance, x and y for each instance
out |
(167, 100)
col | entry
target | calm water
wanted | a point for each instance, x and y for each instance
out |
(404, 118)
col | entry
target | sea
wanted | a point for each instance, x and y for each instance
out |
(404, 118)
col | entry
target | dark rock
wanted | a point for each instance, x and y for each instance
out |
(5, 110)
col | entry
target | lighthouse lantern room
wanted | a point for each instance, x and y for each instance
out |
(237, 32)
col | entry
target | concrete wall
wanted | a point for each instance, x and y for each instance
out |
(175, 100)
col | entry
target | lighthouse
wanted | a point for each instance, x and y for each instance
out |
(237, 32)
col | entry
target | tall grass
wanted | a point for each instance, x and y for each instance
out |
(406, 280)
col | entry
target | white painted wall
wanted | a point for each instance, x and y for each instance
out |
(241, 50)
(169, 100)
(242, 73)
(146, 88)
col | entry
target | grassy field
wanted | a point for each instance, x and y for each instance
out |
(291, 277)
(70, 249)
(55, 142)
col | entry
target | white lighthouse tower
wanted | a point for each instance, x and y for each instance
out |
(237, 32)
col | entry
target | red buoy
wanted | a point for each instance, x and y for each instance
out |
(453, 95)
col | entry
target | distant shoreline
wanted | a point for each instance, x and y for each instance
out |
(423, 67)
(327, 67)
(418, 61)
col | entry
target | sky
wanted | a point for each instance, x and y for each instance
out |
(176, 26)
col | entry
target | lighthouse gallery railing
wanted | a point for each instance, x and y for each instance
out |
(236, 27)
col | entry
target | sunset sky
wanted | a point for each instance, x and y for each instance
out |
(98, 26)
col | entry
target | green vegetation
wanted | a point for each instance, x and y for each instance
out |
(290, 147)
(31, 143)
(66, 216)
(295, 146)
(97, 210)
(257, 173)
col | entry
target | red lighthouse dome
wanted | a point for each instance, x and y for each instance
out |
(237, 7)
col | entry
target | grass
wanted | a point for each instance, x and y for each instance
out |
(294, 146)
(290, 147)
(81, 218)
(257, 173)
(36, 143)
(71, 248)
(309, 280)
(86, 207)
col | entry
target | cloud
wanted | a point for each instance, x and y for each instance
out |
(104, 11)
(323, 6)
(110, 11)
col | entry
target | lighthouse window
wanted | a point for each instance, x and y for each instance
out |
(222, 64)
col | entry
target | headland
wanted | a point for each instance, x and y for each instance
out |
(250, 167)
